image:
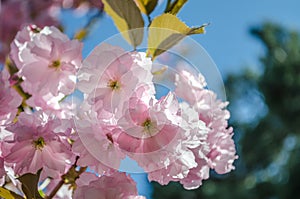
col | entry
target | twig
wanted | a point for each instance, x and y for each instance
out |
(68, 178)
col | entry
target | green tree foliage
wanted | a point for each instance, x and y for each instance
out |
(266, 116)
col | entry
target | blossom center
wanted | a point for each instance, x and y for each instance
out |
(113, 84)
(55, 64)
(148, 125)
(39, 143)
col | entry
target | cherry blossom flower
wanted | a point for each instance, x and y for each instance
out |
(116, 186)
(197, 174)
(47, 62)
(97, 147)
(151, 132)
(213, 113)
(86, 178)
(42, 141)
(22, 36)
(9, 99)
(222, 154)
(110, 75)
(186, 81)
(194, 137)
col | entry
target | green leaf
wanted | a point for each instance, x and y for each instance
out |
(127, 18)
(146, 6)
(7, 194)
(175, 6)
(30, 185)
(167, 30)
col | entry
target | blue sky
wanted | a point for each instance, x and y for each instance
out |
(227, 40)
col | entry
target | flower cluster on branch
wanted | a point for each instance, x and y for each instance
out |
(54, 145)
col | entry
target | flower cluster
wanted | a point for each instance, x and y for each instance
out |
(43, 141)
(177, 137)
(47, 61)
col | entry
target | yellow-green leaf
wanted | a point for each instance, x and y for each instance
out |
(167, 30)
(127, 18)
(175, 6)
(4, 193)
(146, 6)
(7, 194)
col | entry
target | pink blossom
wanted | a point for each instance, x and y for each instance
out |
(9, 99)
(97, 62)
(86, 178)
(116, 186)
(47, 62)
(42, 141)
(22, 37)
(110, 75)
(184, 82)
(222, 153)
(213, 113)
(197, 174)
(97, 146)
(151, 132)
(194, 135)
(65, 109)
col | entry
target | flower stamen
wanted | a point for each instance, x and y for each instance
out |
(113, 84)
(148, 125)
(55, 64)
(39, 143)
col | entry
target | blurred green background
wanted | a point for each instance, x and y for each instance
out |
(267, 140)
(256, 45)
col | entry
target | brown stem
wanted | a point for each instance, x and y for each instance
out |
(68, 178)
(149, 20)
(12, 69)
(55, 190)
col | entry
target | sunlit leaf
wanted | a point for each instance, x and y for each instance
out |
(7, 194)
(175, 6)
(146, 6)
(167, 30)
(127, 18)
(30, 185)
